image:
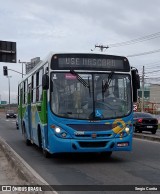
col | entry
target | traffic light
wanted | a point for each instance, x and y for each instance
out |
(5, 71)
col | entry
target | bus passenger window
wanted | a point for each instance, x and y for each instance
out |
(37, 86)
(24, 90)
(34, 88)
(40, 85)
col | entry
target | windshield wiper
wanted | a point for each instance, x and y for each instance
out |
(105, 85)
(81, 80)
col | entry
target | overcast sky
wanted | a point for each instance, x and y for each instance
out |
(39, 26)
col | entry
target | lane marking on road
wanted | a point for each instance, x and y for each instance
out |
(12, 121)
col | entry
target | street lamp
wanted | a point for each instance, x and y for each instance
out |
(22, 65)
(9, 89)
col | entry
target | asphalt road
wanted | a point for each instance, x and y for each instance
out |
(138, 167)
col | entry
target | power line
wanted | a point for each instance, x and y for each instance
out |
(157, 63)
(148, 68)
(152, 71)
(145, 53)
(153, 77)
(137, 40)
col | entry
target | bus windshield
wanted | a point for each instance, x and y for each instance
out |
(93, 96)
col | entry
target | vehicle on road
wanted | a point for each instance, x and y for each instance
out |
(145, 122)
(64, 105)
(10, 114)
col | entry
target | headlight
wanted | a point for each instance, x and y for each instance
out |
(127, 129)
(59, 132)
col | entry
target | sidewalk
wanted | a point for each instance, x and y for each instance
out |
(14, 171)
(8, 175)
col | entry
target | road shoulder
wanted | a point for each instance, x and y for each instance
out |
(15, 171)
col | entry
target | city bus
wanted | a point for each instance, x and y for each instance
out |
(78, 103)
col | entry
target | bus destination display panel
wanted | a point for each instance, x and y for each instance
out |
(90, 62)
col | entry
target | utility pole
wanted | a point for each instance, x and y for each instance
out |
(101, 47)
(9, 90)
(142, 104)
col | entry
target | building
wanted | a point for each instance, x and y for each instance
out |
(151, 98)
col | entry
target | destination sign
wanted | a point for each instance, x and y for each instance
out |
(90, 62)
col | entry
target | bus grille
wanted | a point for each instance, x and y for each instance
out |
(91, 127)
(97, 135)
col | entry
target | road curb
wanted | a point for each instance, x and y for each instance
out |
(147, 137)
(23, 170)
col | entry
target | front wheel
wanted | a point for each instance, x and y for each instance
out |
(46, 154)
(106, 154)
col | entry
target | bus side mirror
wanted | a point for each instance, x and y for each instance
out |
(45, 82)
(135, 83)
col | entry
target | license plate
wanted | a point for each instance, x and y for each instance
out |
(149, 126)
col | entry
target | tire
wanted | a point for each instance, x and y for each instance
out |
(106, 154)
(134, 129)
(46, 154)
(40, 139)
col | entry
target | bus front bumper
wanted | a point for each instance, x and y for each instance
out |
(60, 145)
